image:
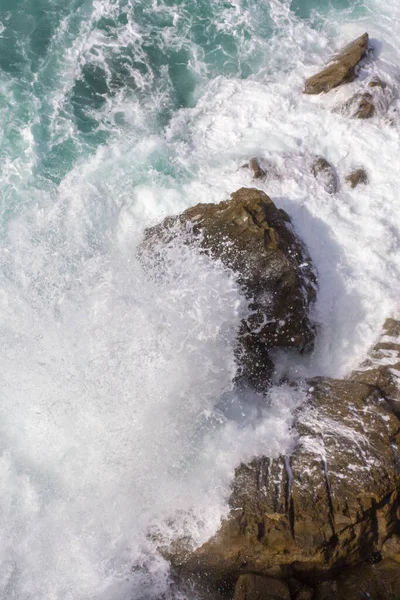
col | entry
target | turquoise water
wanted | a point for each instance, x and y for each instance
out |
(113, 114)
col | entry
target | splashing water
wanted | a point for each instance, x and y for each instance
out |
(113, 114)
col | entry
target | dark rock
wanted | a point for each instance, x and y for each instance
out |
(324, 171)
(356, 177)
(341, 70)
(333, 503)
(253, 587)
(251, 236)
(391, 548)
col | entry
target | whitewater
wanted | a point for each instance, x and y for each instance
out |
(114, 431)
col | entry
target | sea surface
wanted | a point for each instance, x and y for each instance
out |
(119, 428)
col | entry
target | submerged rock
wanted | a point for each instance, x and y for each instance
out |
(360, 106)
(333, 502)
(324, 171)
(356, 177)
(341, 70)
(251, 236)
(377, 83)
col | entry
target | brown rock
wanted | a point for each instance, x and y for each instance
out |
(254, 239)
(256, 168)
(341, 70)
(331, 504)
(356, 177)
(375, 582)
(377, 83)
(324, 171)
(253, 587)
(391, 548)
(360, 106)
(382, 367)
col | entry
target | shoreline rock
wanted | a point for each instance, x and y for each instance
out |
(341, 70)
(256, 240)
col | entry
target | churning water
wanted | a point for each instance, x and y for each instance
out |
(113, 114)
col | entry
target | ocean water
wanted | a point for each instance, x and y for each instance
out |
(113, 114)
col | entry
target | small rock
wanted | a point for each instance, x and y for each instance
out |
(324, 171)
(341, 70)
(253, 587)
(356, 177)
(258, 171)
(377, 83)
(360, 106)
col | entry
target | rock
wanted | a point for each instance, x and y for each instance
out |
(341, 70)
(356, 177)
(299, 591)
(360, 106)
(391, 548)
(331, 504)
(375, 582)
(258, 171)
(253, 587)
(251, 236)
(324, 171)
(381, 369)
(377, 83)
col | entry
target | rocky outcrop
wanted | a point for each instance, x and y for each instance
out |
(324, 171)
(356, 177)
(251, 236)
(335, 501)
(341, 70)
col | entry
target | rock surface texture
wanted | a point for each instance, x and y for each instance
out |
(332, 505)
(341, 70)
(255, 239)
(324, 171)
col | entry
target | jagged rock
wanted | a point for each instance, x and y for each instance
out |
(375, 582)
(332, 504)
(382, 367)
(253, 587)
(251, 236)
(360, 106)
(341, 70)
(324, 171)
(356, 177)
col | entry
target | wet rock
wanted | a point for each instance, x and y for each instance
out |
(324, 171)
(377, 582)
(253, 587)
(377, 83)
(251, 236)
(256, 168)
(341, 70)
(360, 106)
(333, 503)
(356, 177)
